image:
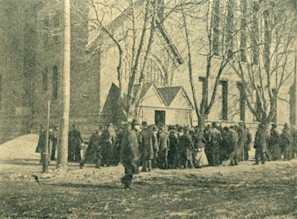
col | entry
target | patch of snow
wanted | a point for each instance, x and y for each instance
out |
(22, 147)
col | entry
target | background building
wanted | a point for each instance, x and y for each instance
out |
(31, 63)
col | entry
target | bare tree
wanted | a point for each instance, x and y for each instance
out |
(65, 101)
(132, 32)
(215, 48)
(268, 64)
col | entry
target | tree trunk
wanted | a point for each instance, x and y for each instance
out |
(65, 98)
(201, 121)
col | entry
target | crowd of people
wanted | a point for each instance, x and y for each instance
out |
(138, 145)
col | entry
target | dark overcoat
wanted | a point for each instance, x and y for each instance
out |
(186, 146)
(94, 148)
(130, 148)
(147, 142)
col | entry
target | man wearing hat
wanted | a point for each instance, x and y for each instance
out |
(274, 143)
(74, 142)
(215, 144)
(146, 147)
(286, 139)
(163, 139)
(261, 139)
(130, 152)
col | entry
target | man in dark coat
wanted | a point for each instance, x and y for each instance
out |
(186, 149)
(53, 136)
(215, 144)
(173, 150)
(286, 142)
(94, 150)
(226, 148)
(232, 140)
(163, 139)
(74, 143)
(207, 138)
(294, 143)
(274, 143)
(41, 143)
(155, 146)
(117, 145)
(147, 149)
(108, 141)
(130, 152)
(261, 139)
(247, 145)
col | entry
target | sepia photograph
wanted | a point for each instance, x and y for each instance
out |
(148, 109)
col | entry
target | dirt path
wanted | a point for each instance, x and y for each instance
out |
(245, 191)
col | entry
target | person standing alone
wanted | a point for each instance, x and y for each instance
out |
(130, 152)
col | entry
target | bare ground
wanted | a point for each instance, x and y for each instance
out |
(245, 191)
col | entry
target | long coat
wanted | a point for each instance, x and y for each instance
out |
(261, 139)
(242, 134)
(147, 142)
(74, 142)
(130, 148)
(233, 140)
(274, 145)
(163, 139)
(186, 146)
(286, 142)
(41, 142)
(94, 148)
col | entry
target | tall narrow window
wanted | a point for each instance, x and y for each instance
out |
(45, 30)
(224, 100)
(255, 33)
(293, 105)
(46, 21)
(55, 82)
(56, 21)
(216, 27)
(258, 105)
(243, 27)
(241, 101)
(267, 41)
(230, 28)
(204, 92)
(275, 109)
(44, 79)
(0, 90)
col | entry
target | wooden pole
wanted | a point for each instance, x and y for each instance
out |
(65, 88)
(46, 148)
(295, 90)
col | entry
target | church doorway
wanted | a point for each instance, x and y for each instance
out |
(160, 117)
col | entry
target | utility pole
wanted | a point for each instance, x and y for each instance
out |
(46, 149)
(295, 91)
(65, 90)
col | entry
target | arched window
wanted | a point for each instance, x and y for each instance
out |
(293, 105)
(55, 83)
(44, 79)
(0, 89)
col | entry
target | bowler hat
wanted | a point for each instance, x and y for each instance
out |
(135, 122)
(144, 124)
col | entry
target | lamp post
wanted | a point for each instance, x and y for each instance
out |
(46, 148)
(65, 92)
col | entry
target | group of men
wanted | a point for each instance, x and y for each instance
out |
(163, 147)
(275, 146)
(52, 140)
